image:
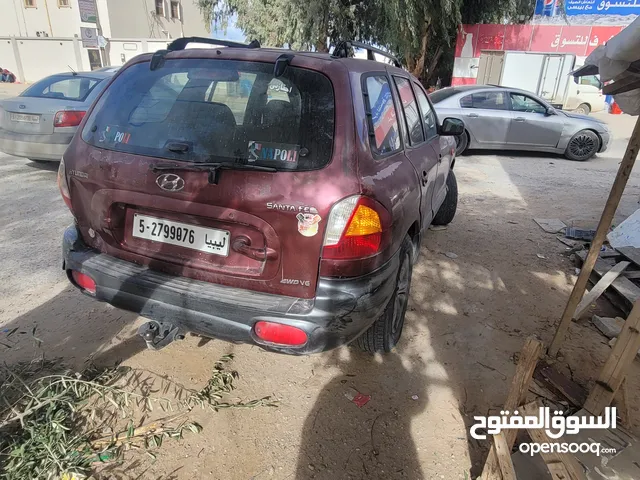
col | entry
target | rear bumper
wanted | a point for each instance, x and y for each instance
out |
(38, 147)
(340, 312)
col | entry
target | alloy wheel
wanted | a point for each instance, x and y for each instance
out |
(582, 145)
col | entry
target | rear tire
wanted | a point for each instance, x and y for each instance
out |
(462, 142)
(447, 210)
(582, 146)
(583, 109)
(385, 333)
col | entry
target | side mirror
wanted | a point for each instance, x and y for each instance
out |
(451, 126)
(550, 111)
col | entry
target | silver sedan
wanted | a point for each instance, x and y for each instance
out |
(40, 122)
(511, 119)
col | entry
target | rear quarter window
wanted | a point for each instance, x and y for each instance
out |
(383, 120)
(221, 110)
(443, 94)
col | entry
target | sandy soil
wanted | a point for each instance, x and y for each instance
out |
(467, 318)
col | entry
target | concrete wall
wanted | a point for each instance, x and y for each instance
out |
(123, 50)
(38, 57)
(137, 19)
(44, 57)
(7, 56)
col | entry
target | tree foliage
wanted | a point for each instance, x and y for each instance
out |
(418, 32)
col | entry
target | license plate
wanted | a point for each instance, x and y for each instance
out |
(24, 117)
(209, 240)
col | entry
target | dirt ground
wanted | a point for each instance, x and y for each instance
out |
(467, 318)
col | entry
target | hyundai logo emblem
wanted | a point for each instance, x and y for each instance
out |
(22, 106)
(170, 182)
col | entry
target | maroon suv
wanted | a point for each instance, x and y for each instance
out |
(257, 195)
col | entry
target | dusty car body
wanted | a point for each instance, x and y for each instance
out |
(255, 196)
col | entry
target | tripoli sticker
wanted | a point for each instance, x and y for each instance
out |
(112, 134)
(279, 154)
(308, 224)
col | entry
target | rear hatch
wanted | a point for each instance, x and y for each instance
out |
(33, 112)
(212, 169)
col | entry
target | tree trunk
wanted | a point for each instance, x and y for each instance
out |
(419, 65)
(323, 32)
(433, 64)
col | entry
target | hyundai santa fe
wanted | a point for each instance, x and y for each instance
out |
(257, 195)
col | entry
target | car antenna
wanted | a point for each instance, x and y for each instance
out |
(72, 70)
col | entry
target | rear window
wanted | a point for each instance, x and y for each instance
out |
(218, 110)
(443, 94)
(76, 88)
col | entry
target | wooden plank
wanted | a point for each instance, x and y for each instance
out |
(619, 184)
(517, 395)
(503, 453)
(616, 366)
(631, 274)
(605, 281)
(625, 287)
(562, 466)
(557, 382)
(632, 253)
(622, 402)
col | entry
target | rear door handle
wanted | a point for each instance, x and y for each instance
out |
(425, 178)
(439, 158)
(473, 115)
(520, 119)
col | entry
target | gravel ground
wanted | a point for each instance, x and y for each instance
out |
(467, 318)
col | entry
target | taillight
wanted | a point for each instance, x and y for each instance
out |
(85, 282)
(63, 186)
(68, 118)
(355, 229)
(279, 333)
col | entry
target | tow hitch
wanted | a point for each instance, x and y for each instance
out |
(158, 335)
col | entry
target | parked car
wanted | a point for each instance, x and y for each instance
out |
(545, 74)
(504, 118)
(39, 123)
(257, 196)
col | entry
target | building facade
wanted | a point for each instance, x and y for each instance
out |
(42, 37)
(148, 19)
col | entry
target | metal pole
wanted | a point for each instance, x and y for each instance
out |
(619, 184)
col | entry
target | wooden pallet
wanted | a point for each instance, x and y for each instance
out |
(623, 293)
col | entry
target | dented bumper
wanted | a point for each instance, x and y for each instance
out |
(341, 310)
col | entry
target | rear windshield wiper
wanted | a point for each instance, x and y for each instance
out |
(212, 167)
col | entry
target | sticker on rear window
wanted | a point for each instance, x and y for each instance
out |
(308, 224)
(113, 134)
(283, 154)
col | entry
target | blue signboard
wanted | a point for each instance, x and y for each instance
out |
(550, 8)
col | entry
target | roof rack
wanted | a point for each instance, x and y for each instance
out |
(181, 43)
(342, 49)
(157, 60)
